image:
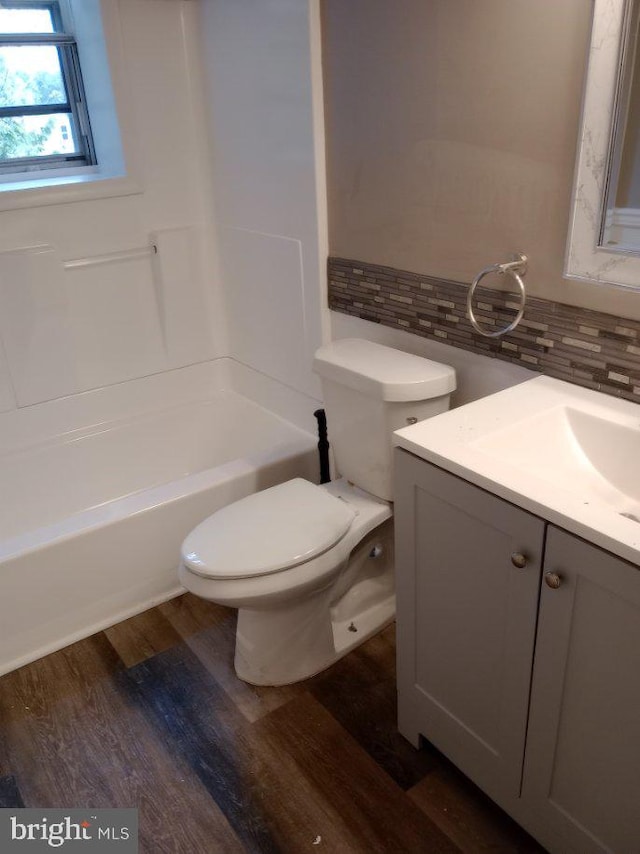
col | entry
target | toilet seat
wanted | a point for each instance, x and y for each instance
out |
(304, 579)
(268, 532)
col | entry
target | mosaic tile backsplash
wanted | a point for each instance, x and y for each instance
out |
(589, 348)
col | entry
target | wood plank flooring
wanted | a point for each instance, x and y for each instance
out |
(150, 714)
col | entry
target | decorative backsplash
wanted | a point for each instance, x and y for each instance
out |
(589, 348)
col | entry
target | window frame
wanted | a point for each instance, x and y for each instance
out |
(76, 103)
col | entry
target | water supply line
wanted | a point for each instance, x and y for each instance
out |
(323, 446)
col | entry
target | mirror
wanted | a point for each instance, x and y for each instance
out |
(604, 233)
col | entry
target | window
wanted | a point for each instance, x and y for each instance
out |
(44, 123)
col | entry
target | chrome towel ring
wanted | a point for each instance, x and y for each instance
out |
(515, 268)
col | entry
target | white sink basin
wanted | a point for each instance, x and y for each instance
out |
(563, 452)
(590, 456)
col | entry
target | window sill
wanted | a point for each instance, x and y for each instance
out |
(62, 190)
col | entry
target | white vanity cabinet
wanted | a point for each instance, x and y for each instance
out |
(519, 658)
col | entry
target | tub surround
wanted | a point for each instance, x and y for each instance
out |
(262, 76)
(72, 277)
(585, 347)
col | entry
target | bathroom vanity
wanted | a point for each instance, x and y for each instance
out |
(518, 601)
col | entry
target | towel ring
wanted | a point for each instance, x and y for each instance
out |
(516, 268)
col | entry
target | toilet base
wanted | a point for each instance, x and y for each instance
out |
(293, 642)
(284, 665)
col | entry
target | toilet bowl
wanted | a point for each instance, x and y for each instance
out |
(299, 609)
(310, 568)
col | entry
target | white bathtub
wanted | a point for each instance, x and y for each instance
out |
(91, 522)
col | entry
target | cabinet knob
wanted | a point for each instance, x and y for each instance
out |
(552, 580)
(519, 560)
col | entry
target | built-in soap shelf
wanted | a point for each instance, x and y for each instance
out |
(111, 257)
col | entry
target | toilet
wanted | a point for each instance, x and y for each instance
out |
(310, 568)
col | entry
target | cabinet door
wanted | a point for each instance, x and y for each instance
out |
(582, 767)
(466, 621)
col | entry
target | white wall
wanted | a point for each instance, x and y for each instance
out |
(66, 330)
(264, 78)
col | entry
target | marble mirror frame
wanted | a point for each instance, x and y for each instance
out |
(585, 259)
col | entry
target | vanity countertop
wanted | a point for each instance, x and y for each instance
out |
(562, 452)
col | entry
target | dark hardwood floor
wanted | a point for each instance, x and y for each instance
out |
(150, 714)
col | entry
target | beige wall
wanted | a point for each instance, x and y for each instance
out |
(451, 136)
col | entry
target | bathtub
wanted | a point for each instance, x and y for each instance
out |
(91, 522)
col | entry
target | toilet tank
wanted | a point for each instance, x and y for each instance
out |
(369, 391)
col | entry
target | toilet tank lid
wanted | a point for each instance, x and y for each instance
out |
(268, 531)
(383, 372)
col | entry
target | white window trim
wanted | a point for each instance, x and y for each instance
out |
(117, 172)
